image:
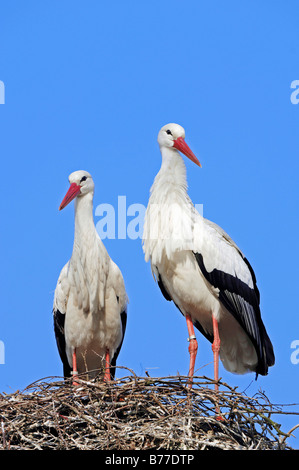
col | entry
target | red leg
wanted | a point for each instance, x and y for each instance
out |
(107, 376)
(75, 370)
(193, 346)
(216, 349)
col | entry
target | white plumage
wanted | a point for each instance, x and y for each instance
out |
(200, 268)
(90, 301)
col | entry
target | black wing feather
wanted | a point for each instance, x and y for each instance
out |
(123, 317)
(243, 303)
(162, 287)
(59, 319)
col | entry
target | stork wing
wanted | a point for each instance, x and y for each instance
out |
(59, 309)
(122, 299)
(123, 317)
(225, 267)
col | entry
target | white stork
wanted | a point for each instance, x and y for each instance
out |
(90, 302)
(199, 267)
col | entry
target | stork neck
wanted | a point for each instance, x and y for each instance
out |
(84, 223)
(85, 261)
(172, 171)
(168, 220)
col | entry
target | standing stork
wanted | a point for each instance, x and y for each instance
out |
(90, 301)
(199, 267)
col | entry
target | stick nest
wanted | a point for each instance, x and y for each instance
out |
(137, 413)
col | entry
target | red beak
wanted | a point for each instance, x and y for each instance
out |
(73, 191)
(181, 145)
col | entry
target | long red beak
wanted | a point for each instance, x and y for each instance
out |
(181, 145)
(73, 191)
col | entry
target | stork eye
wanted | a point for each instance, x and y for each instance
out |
(84, 178)
(168, 132)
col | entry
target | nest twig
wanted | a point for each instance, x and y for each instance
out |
(138, 413)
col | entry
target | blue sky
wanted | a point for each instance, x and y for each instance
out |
(88, 86)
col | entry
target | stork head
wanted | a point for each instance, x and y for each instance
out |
(81, 183)
(173, 136)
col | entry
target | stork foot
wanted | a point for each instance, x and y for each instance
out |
(220, 418)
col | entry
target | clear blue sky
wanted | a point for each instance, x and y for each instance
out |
(88, 86)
